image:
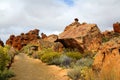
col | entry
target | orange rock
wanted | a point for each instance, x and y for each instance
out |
(83, 37)
(43, 35)
(51, 38)
(21, 40)
(107, 59)
(116, 27)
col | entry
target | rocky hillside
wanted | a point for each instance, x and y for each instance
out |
(83, 37)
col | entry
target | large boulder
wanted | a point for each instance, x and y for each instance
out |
(107, 60)
(81, 36)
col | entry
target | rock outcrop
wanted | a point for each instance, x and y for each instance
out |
(21, 40)
(43, 35)
(1, 43)
(116, 27)
(42, 44)
(81, 36)
(51, 38)
(107, 60)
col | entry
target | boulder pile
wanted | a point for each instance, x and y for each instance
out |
(21, 40)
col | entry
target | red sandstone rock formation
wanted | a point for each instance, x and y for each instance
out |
(81, 36)
(21, 40)
(116, 27)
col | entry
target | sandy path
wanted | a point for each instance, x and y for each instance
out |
(27, 68)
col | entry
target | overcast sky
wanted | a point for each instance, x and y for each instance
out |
(51, 16)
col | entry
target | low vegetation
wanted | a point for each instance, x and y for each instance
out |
(79, 65)
(5, 61)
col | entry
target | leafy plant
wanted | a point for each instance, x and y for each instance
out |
(65, 60)
(105, 39)
(75, 73)
(74, 55)
(4, 75)
(85, 62)
(48, 57)
(5, 59)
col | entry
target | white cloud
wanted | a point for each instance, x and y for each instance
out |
(51, 16)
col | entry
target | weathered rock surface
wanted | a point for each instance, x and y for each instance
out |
(1, 43)
(21, 40)
(51, 38)
(116, 27)
(108, 34)
(43, 35)
(107, 59)
(42, 44)
(81, 36)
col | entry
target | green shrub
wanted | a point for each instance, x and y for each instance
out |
(26, 49)
(81, 73)
(75, 73)
(4, 58)
(56, 61)
(74, 55)
(48, 57)
(65, 61)
(4, 75)
(85, 62)
(105, 39)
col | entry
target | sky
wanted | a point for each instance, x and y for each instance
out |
(52, 16)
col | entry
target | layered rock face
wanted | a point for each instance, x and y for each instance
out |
(81, 36)
(116, 27)
(21, 40)
(107, 59)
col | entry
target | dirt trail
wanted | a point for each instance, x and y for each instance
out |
(27, 68)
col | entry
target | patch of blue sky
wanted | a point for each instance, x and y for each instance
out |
(69, 2)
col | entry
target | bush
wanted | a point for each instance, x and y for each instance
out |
(4, 58)
(74, 55)
(105, 39)
(26, 49)
(65, 60)
(56, 61)
(81, 73)
(4, 75)
(49, 57)
(75, 73)
(85, 62)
